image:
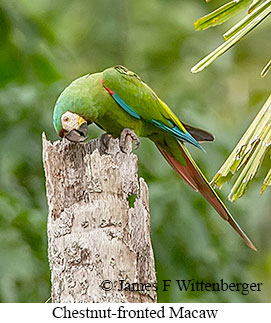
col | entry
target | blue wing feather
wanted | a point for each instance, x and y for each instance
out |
(125, 106)
(176, 132)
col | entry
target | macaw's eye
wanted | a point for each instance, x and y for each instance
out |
(66, 119)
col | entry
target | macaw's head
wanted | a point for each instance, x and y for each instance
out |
(73, 127)
(75, 109)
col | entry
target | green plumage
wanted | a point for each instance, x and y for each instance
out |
(116, 99)
(87, 97)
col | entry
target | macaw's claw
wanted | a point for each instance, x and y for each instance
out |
(105, 139)
(123, 139)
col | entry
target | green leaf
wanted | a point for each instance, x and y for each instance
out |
(267, 181)
(245, 21)
(248, 155)
(206, 61)
(220, 15)
(266, 69)
(253, 5)
(251, 167)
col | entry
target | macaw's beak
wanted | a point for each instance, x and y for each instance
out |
(79, 134)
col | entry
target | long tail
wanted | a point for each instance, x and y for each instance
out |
(194, 177)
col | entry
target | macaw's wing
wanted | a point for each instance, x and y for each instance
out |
(135, 97)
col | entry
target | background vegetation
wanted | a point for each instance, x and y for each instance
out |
(46, 44)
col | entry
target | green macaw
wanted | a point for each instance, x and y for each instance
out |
(118, 99)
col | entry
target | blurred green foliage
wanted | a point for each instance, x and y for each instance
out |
(44, 46)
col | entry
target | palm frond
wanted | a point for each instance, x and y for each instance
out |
(220, 15)
(267, 181)
(253, 5)
(248, 155)
(257, 14)
(266, 69)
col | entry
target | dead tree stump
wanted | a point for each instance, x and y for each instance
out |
(98, 238)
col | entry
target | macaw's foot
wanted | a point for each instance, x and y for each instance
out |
(105, 139)
(123, 139)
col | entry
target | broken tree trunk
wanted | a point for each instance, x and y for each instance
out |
(98, 238)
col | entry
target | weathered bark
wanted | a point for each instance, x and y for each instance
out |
(93, 233)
